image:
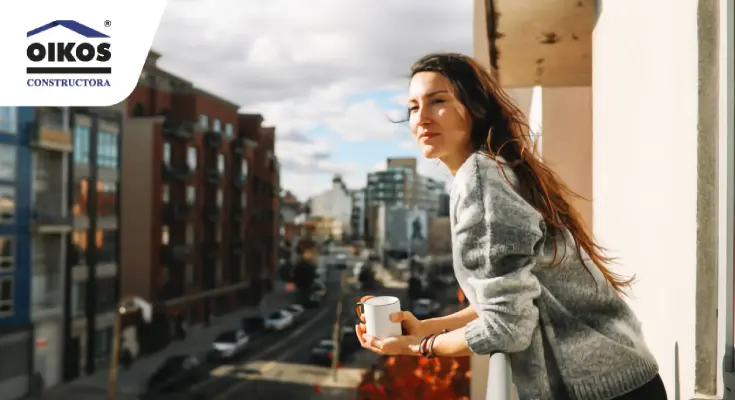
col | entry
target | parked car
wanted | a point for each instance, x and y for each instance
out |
(278, 320)
(314, 300)
(425, 308)
(350, 343)
(323, 352)
(296, 311)
(175, 374)
(229, 344)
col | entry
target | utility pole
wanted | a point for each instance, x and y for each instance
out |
(337, 332)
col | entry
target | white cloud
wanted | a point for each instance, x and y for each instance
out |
(299, 62)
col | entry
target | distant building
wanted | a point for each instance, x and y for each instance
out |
(357, 219)
(334, 204)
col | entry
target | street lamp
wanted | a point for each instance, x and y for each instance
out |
(127, 305)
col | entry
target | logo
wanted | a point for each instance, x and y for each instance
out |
(87, 56)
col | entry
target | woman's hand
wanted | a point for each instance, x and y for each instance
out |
(413, 330)
(402, 345)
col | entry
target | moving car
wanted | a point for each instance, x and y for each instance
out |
(229, 344)
(279, 320)
(174, 375)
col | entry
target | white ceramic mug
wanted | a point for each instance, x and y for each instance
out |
(377, 311)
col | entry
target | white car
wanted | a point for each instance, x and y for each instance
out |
(279, 320)
(230, 343)
(296, 310)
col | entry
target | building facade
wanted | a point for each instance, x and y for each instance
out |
(201, 197)
(335, 204)
(50, 225)
(16, 329)
(619, 91)
(357, 218)
(93, 259)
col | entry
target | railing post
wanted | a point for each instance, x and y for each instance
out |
(500, 378)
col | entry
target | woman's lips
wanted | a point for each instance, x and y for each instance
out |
(427, 135)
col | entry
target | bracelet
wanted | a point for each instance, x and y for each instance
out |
(423, 348)
(430, 344)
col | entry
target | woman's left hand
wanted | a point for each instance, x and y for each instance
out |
(401, 345)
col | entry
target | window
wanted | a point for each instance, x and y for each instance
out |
(191, 158)
(79, 247)
(103, 341)
(244, 170)
(204, 122)
(244, 200)
(6, 296)
(191, 195)
(189, 234)
(8, 120)
(7, 204)
(81, 144)
(79, 197)
(166, 195)
(221, 163)
(106, 199)
(106, 242)
(217, 125)
(167, 153)
(7, 254)
(107, 149)
(220, 198)
(189, 271)
(164, 235)
(229, 131)
(8, 163)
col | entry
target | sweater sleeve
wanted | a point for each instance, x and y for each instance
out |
(498, 237)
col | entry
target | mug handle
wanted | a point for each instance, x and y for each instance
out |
(359, 309)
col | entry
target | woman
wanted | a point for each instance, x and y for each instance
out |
(536, 279)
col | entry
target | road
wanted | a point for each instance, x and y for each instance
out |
(278, 365)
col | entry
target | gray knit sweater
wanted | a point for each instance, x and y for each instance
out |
(568, 335)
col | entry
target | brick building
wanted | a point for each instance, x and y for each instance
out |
(190, 169)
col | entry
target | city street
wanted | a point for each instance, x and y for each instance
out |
(279, 366)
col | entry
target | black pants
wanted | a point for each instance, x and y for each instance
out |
(653, 390)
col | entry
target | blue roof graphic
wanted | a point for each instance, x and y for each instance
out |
(75, 26)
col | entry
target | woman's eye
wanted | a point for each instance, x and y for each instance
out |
(412, 109)
(437, 101)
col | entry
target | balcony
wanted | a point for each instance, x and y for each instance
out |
(182, 131)
(212, 175)
(211, 212)
(213, 139)
(175, 253)
(237, 146)
(176, 212)
(46, 221)
(176, 173)
(49, 133)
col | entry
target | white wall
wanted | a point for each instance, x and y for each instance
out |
(333, 203)
(645, 166)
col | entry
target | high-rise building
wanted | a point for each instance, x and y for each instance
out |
(357, 219)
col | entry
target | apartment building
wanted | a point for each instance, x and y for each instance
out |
(93, 256)
(16, 330)
(193, 183)
(263, 203)
(357, 218)
(335, 204)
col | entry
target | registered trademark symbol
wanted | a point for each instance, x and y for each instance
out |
(107, 23)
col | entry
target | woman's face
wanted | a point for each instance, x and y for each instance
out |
(439, 121)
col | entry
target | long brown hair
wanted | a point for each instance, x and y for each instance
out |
(499, 128)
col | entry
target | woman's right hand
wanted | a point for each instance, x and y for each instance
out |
(411, 325)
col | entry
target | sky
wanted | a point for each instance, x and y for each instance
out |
(330, 75)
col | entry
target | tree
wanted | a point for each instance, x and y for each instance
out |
(304, 274)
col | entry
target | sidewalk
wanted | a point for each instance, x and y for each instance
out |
(198, 341)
